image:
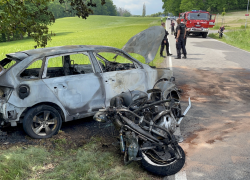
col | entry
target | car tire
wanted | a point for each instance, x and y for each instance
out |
(42, 122)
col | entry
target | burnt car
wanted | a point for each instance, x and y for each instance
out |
(41, 88)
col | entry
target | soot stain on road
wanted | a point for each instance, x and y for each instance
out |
(213, 86)
(219, 114)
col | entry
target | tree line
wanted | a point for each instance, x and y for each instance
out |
(215, 6)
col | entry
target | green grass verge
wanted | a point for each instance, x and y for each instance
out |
(96, 30)
(90, 161)
(19, 163)
(237, 38)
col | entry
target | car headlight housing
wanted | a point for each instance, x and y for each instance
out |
(5, 93)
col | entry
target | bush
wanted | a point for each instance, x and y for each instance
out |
(243, 26)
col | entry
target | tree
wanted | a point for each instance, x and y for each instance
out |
(127, 14)
(107, 9)
(172, 6)
(33, 17)
(123, 12)
(144, 10)
(188, 5)
(223, 14)
(59, 10)
(156, 14)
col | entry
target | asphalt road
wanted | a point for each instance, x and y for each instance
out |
(217, 128)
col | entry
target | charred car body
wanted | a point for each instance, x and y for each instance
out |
(42, 88)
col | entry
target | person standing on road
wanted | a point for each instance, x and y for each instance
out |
(185, 39)
(180, 36)
(172, 27)
(165, 42)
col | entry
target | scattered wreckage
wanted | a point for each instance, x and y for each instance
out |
(146, 129)
(41, 88)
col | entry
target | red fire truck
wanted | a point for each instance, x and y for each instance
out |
(198, 22)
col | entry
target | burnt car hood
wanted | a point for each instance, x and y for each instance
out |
(146, 43)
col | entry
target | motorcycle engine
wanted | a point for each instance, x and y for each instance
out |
(168, 123)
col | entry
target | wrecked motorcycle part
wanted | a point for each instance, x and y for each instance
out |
(189, 106)
(138, 129)
(100, 117)
(132, 145)
(131, 99)
(122, 145)
(141, 135)
(147, 134)
(163, 168)
(155, 103)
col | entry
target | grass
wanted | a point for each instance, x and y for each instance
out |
(96, 30)
(18, 163)
(237, 38)
(90, 161)
(232, 20)
(236, 34)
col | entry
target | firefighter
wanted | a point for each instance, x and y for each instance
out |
(180, 36)
(221, 30)
(165, 42)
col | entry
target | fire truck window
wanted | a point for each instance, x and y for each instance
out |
(199, 16)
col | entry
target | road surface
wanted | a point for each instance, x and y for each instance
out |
(217, 128)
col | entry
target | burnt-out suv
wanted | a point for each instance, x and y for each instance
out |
(42, 88)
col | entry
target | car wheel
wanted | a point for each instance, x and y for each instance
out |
(42, 121)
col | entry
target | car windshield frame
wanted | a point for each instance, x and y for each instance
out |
(7, 61)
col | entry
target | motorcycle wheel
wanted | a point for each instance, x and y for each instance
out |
(163, 169)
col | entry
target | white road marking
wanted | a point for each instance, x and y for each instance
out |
(170, 60)
(181, 175)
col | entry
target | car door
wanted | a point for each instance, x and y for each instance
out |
(75, 82)
(122, 75)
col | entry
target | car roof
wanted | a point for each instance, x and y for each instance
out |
(59, 49)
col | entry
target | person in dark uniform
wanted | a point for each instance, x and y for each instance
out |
(185, 39)
(172, 26)
(165, 42)
(180, 36)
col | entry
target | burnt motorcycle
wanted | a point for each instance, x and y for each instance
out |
(146, 129)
